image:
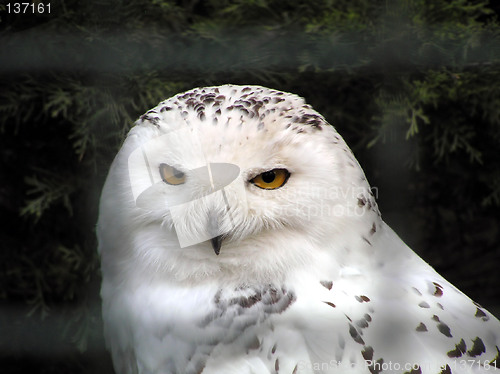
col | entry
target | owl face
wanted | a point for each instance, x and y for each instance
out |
(227, 175)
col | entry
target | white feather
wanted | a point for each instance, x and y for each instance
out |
(309, 278)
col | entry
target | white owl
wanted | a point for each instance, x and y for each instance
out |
(238, 235)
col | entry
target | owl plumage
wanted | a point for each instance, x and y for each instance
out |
(238, 234)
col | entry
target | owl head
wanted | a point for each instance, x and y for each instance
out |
(242, 182)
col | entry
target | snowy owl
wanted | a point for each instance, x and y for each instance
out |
(238, 234)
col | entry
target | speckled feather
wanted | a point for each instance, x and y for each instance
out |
(309, 278)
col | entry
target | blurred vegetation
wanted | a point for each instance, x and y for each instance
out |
(412, 85)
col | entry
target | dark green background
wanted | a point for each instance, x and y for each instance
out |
(413, 86)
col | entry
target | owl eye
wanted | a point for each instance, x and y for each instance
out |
(171, 175)
(272, 179)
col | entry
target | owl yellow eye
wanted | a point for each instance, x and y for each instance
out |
(272, 179)
(171, 175)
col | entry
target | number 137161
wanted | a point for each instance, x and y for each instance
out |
(25, 8)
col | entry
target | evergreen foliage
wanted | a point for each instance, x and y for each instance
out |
(412, 85)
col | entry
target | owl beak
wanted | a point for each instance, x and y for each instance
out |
(216, 244)
(213, 230)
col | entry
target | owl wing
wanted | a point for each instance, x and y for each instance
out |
(400, 316)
